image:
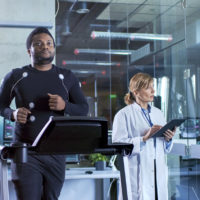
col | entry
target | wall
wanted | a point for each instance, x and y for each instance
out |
(12, 39)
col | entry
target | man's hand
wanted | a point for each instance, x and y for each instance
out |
(151, 132)
(20, 115)
(56, 102)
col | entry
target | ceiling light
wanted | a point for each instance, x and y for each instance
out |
(131, 36)
(25, 24)
(67, 31)
(83, 62)
(82, 9)
(103, 51)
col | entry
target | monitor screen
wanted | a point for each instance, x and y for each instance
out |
(8, 129)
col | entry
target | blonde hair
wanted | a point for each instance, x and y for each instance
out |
(137, 82)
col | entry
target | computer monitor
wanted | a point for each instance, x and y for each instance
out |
(72, 135)
(8, 129)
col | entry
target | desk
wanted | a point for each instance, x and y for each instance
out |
(80, 185)
(80, 173)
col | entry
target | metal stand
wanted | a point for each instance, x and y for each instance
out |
(17, 152)
(122, 150)
(125, 177)
(4, 192)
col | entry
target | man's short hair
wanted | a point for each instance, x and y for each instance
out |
(36, 31)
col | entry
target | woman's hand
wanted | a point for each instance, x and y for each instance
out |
(169, 134)
(151, 132)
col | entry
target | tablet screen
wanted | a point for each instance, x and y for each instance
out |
(170, 125)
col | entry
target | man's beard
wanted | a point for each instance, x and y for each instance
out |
(39, 60)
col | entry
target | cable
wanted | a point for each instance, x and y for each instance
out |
(184, 4)
(58, 7)
(69, 13)
(107, 196)
(72, 6)
(24, 75)
(61, 77)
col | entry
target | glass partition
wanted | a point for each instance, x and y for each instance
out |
(173, 63)
(113, 40)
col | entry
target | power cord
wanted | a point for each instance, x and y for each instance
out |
(58, 7)
(108, 193)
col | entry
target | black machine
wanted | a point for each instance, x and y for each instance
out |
(69, 135)
(72, 134)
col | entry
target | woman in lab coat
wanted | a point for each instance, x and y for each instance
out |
(135, 124)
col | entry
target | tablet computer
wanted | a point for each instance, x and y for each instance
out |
(170, 125)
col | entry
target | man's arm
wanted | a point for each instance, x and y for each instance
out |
(6, 96)
(76, 105)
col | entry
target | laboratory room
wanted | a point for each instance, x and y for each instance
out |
(100, 100)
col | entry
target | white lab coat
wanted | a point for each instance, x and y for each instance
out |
(129, 126)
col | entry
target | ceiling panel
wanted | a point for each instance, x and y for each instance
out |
(128, 1)
(126, 8)
(189, 3)
(178, 10)
(162, 2)
(154, 2)
(137, 21)
(133, 24)
(193, 3)
(142, 18)
(171, 20)
(152, 9)
(112, 11)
